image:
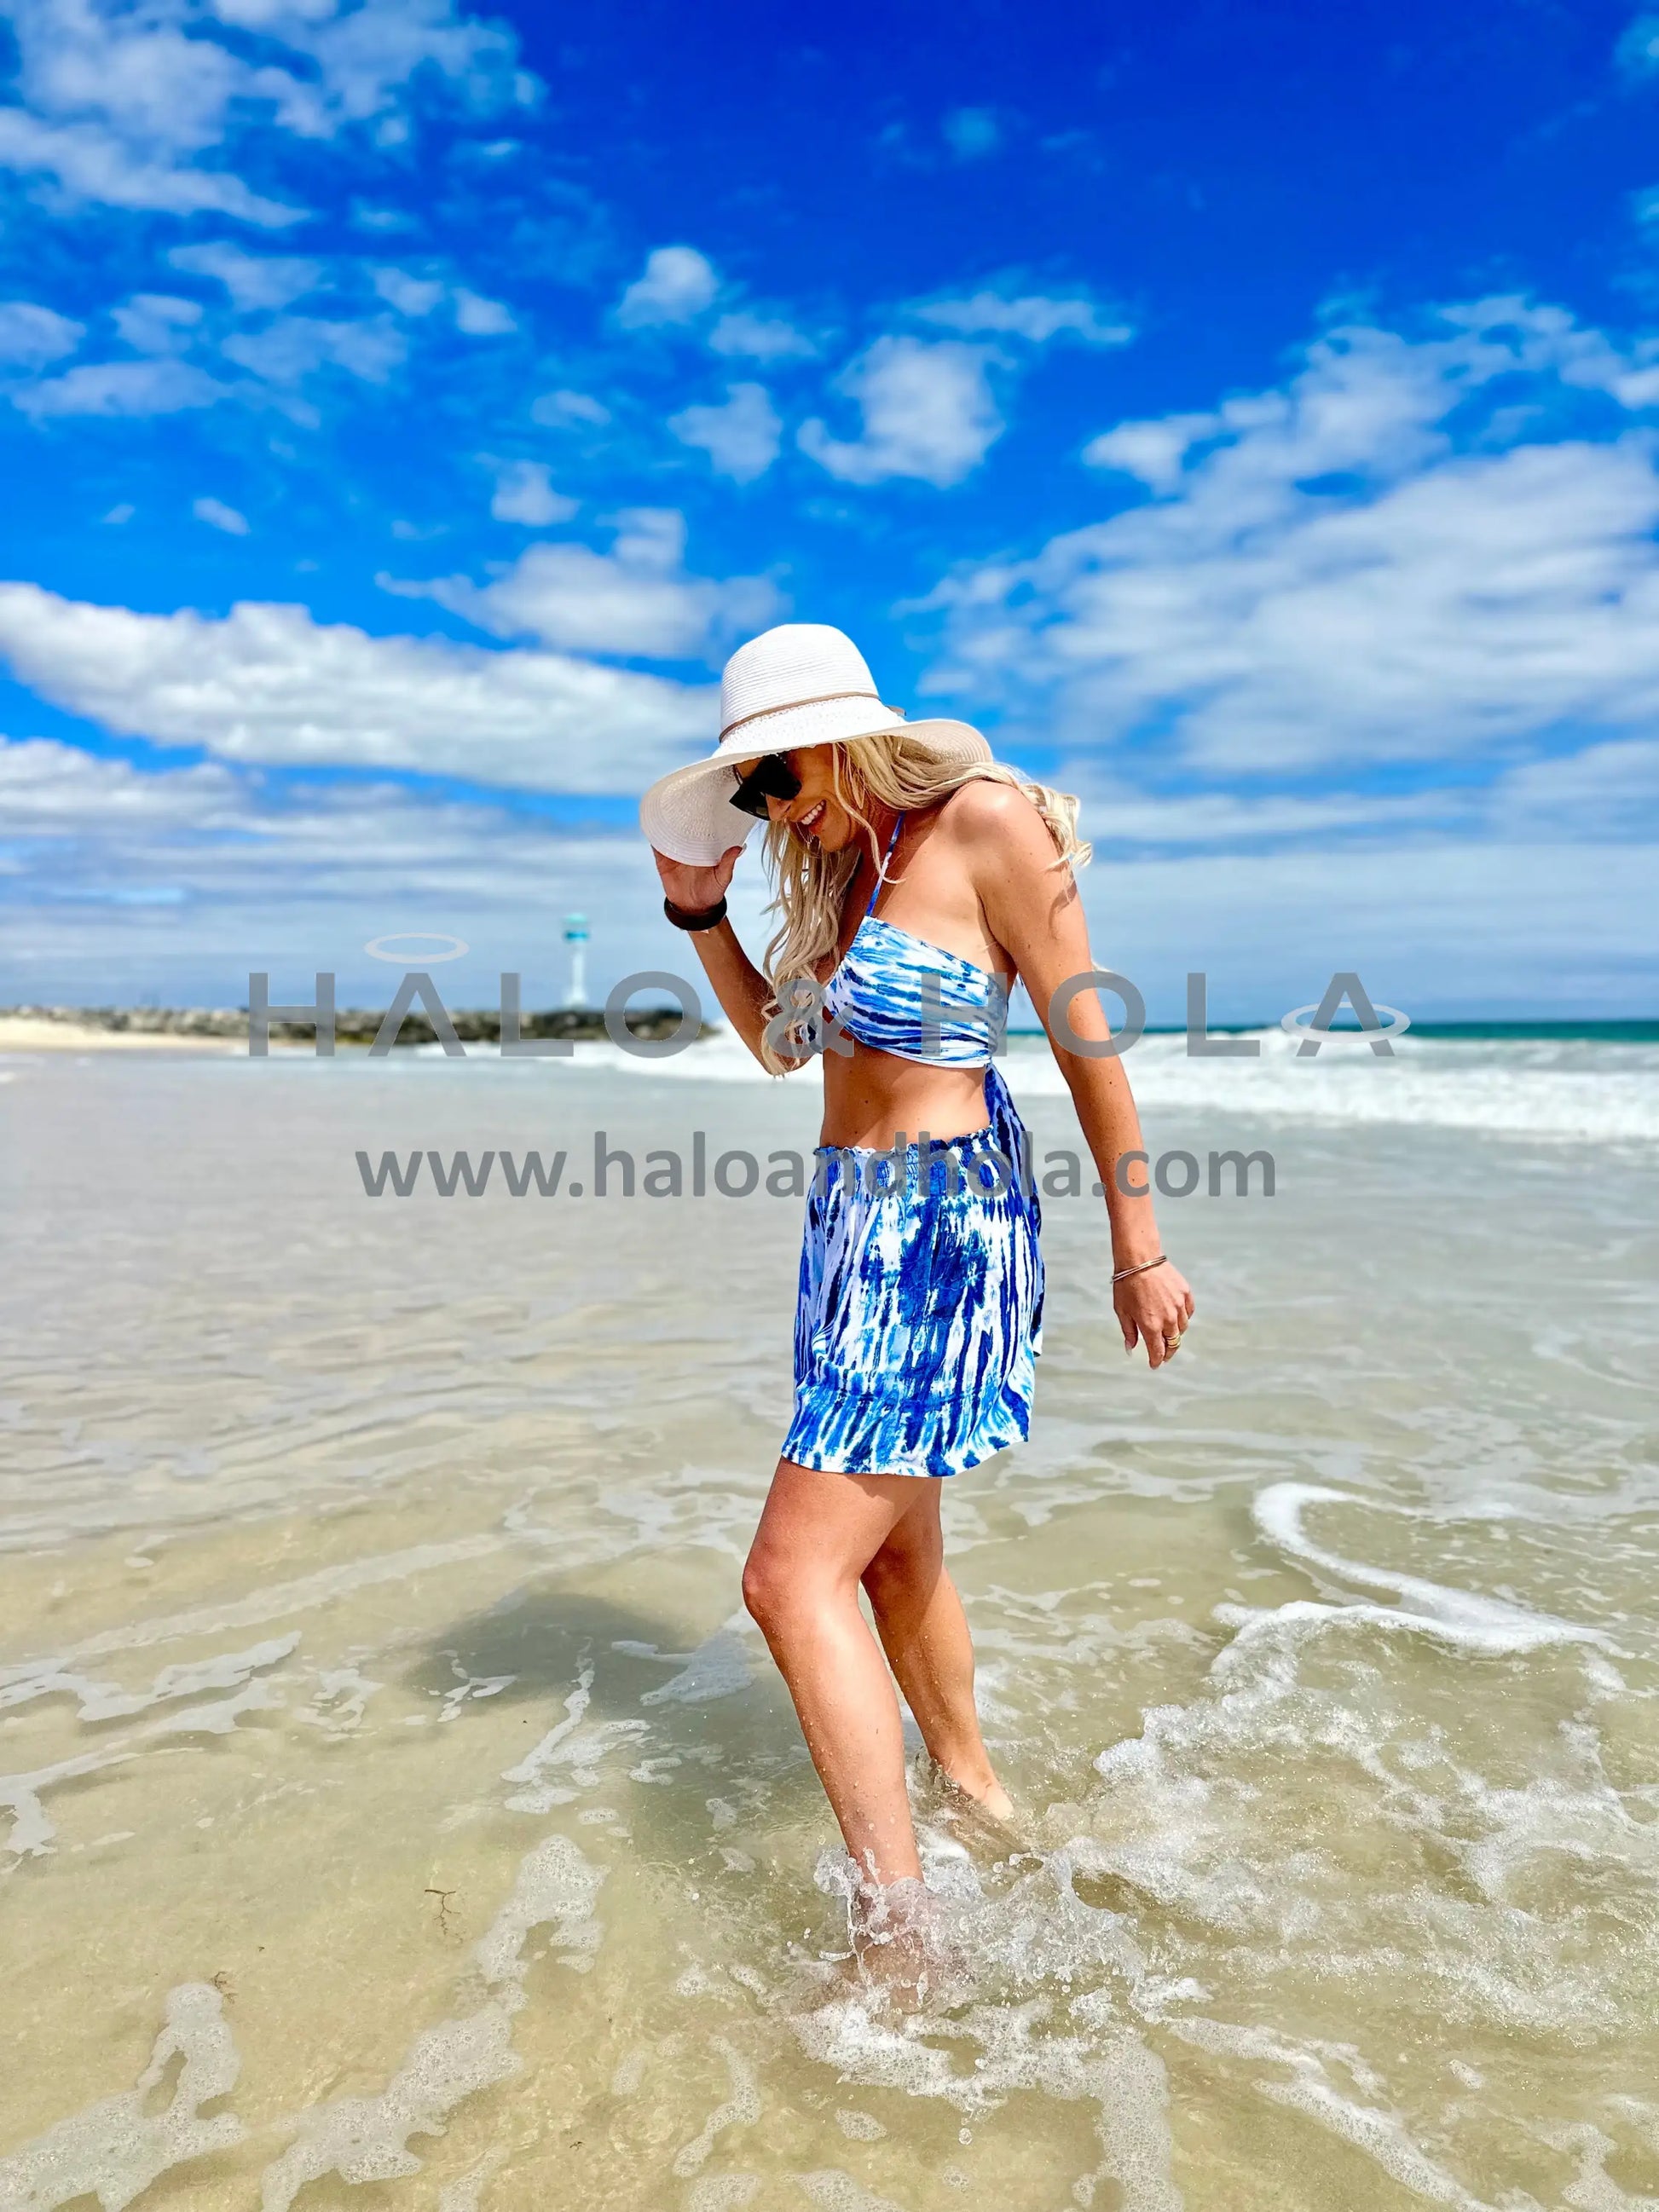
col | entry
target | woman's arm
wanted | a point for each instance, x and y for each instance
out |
(1034, 913)
(742, 990)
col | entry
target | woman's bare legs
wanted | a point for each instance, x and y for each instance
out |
(820, 1535)
(925, 1634)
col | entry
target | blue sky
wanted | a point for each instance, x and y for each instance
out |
(1247, 415)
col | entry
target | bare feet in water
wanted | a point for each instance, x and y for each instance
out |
(993, 1799)
(900, 1942)
(983, 1815)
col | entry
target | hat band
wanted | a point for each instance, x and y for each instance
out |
(789, 705)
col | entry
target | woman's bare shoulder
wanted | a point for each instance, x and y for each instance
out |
(984, 815)
(985, 808)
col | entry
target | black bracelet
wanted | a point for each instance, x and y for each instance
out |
(711, 918)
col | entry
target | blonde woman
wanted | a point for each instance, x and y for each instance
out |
(917, 879)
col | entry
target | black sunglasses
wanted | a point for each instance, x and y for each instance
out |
(771, 777)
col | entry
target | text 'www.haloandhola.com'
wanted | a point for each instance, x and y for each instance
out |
(944, 1166)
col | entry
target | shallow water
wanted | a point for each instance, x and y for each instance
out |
(402, 1813)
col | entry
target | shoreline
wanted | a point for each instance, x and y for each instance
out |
(23, 1033)
(224, 1029)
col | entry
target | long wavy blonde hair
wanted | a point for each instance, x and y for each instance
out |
(897, 770)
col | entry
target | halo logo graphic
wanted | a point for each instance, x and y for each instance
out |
(407, 936)
(1372, 1030)
(802, 1028)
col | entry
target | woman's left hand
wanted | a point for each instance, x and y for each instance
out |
(1154, 1308)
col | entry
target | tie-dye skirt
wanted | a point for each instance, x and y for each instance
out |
(920, 1312)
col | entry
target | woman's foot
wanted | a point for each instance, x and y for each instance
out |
(899, 1941)
(990, 1797)
(984, 1814)
(977, 1785)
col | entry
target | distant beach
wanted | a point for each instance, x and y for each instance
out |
(212, 1028)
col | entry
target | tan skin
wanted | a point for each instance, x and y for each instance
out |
(975, 876)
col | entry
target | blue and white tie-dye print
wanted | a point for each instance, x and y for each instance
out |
(920, 1312)
(902, 996)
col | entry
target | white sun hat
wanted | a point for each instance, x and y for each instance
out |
(802, 684)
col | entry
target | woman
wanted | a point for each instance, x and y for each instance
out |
(917, 879)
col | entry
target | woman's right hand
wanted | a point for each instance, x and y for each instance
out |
(695, 888)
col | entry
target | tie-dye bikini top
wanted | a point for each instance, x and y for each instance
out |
(898, 993)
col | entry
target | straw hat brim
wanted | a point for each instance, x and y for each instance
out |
(688, 815)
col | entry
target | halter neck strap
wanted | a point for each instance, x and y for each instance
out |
(881, 874)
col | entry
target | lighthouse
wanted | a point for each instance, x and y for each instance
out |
(576, 936)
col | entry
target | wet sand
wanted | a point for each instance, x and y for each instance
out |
(19, 1034)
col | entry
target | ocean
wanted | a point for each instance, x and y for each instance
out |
(397, 1809)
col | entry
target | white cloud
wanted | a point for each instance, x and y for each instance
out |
(1153, 451)
(220, 872)
(760, 338)
(267, 683)
(128, 105)
(741, 438)
(360, 65)
(123, 511)
(58, 789)
(121, 387)
(89, 162)
(1371, 563)
(1437, 925)
(523, 494)
(677, 285)
(561, 410)
(410, 295)
(293, 347)
(180, 882)
(1123, 813)
(1637, 51)
(153, 322)
(252, 280)
(30, 336)
(480, 317)
(971, 133)
(384, 221)
(927, 410)
(636, 600)
(218, 516)
(214, 872)
(1033, 315)
(1607, 793)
